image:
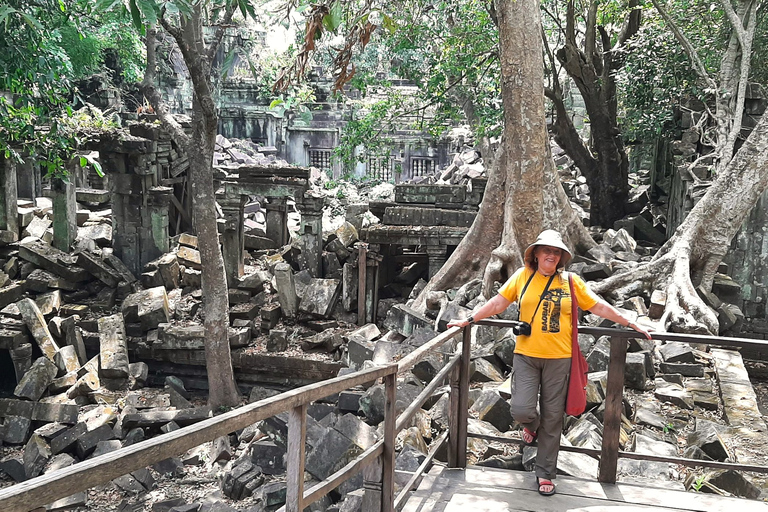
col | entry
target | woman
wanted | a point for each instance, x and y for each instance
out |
(543, 358)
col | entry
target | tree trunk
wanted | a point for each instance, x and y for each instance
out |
(691, 257)
(524, 194)
(221, 382)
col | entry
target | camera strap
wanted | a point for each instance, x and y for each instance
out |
(541, 297)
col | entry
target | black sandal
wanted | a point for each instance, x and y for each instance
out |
(543, 482)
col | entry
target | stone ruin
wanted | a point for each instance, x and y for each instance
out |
(84, 332)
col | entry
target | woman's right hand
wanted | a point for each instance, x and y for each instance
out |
(458, 323)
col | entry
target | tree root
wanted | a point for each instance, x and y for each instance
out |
(684, 311)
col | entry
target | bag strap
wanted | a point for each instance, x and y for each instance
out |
(574, 315)
(541, 297)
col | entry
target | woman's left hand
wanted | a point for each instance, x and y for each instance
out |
(640, 330)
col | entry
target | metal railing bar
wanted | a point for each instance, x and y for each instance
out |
(403, 494)
(407, 414)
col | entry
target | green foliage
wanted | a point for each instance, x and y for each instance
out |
(296, 100)
(83, 50)
(657, 74)
(55, 146)
(699, 483)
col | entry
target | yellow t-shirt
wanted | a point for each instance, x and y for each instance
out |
(551, 329)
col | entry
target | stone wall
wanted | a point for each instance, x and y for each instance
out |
(747, 263)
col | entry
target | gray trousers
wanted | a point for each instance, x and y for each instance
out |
(542, 381)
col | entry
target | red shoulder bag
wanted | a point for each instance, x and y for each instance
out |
(576, 401)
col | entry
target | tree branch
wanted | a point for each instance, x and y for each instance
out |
(589, 32)
(736, 22)
(698, 66)
(219, 34)
(149, 90)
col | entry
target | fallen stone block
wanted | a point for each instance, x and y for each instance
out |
(180, 337)
(278, 340)
(36, 456)
(320, 297)
(495, 410)
(10, 294)
(98, 269)
(72, 335)
(66, 360)
(404, 320)
(37, 379)
(100, 234)
(269, 456)
(119, 267)
(150, 308)
(333, 451)
(157, 419)
(87, 442)
(41, 281)
(37, 227)
(241, 480)
(677, 353)
(673, 394)
(189, 257)
(731, 482)
(658, 303)
(35, 322)
(708, 436)
(481, 370)
(113, 352)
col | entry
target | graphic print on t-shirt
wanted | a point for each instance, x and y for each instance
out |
(550, 310)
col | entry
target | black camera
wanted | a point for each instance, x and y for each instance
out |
(521, 328)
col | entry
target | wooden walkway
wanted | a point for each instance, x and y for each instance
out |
(478, 489)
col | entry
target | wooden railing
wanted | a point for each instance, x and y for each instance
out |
(377, 462)
(610, 452)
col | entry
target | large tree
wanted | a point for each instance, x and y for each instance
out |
(591, 52)
(187, 26)
(691, 257)
(524, 194)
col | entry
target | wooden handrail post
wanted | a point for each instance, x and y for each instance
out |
(388, 457)
(609, 453)
(453, 418)
(297, 429)
(463, 415)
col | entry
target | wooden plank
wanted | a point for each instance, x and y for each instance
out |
(180, 209)
(351, 469)
(417, 355)
(408, 413)
(295, 453)
(50, 487)
(613, 409)
(694, 463)
(419, 473)
(388, 456)
(488, 489)
(461, 431)
(453, 420)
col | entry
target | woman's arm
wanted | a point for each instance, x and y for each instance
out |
(605, 310)
(492, 307)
